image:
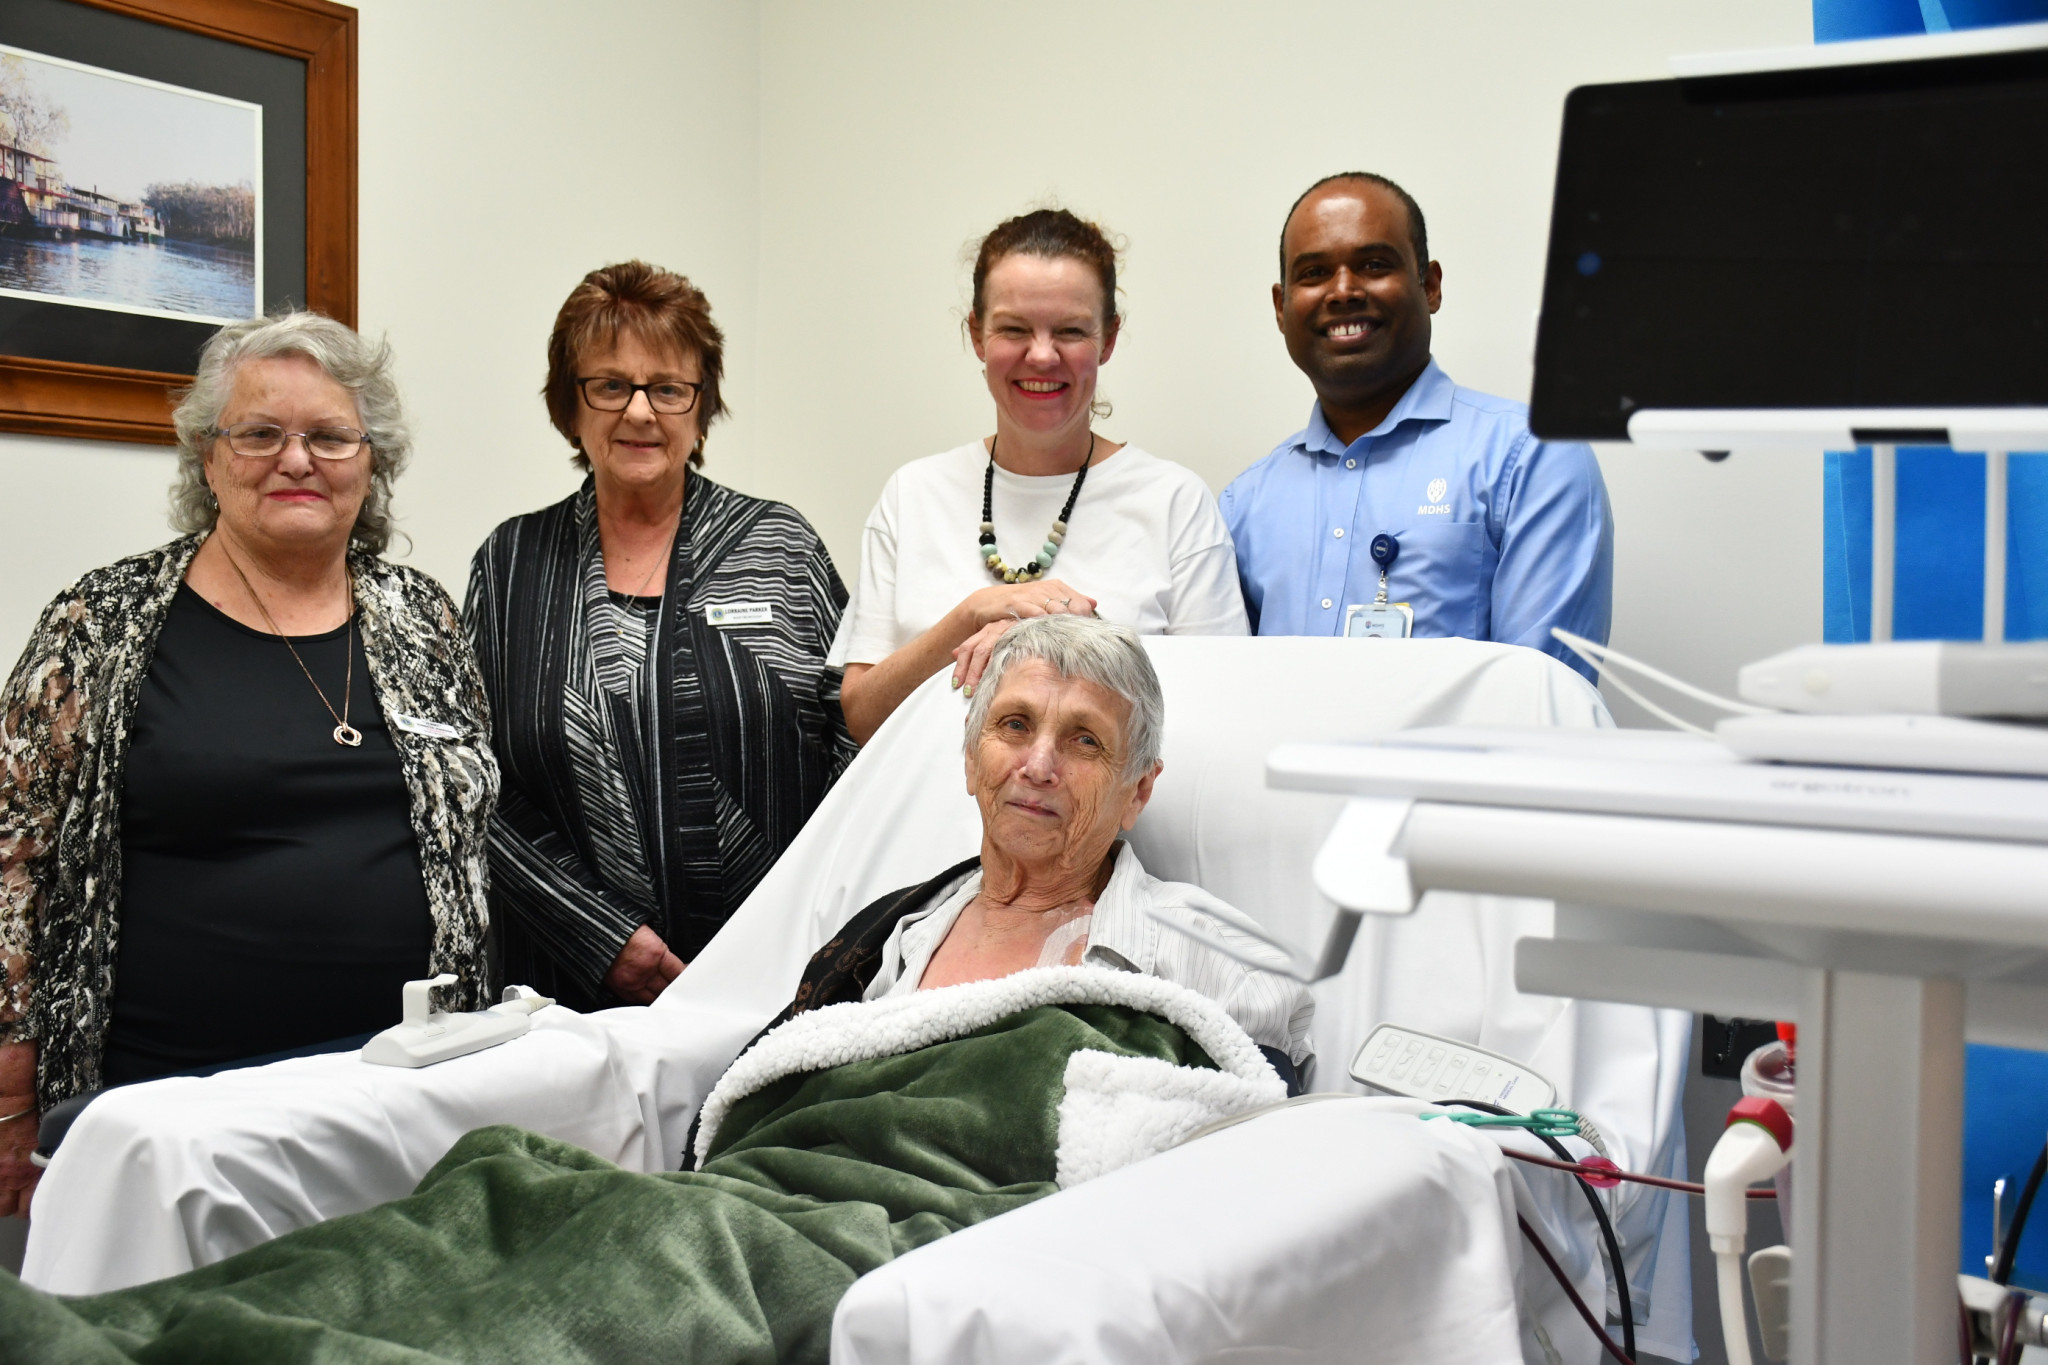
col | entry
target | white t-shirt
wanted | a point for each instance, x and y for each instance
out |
(1145, 541)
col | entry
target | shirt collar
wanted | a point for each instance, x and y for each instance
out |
(1121, 934)
(1428, 400)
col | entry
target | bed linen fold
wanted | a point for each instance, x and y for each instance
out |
(517, 1247)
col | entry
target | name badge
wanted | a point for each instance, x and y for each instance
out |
(740, 613)
(420, 725)
(1379, 621)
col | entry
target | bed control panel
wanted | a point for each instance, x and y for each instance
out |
(427, 1035)
(1423, 1066)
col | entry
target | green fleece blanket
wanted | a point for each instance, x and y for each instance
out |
(519, 1248)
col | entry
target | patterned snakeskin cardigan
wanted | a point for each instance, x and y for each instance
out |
(64, 732)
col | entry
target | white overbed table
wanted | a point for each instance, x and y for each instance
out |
(1856, 902)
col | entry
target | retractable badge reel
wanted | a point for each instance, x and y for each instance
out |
(1381, 619)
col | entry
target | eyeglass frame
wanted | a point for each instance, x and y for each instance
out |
(695, 386)
(305, 439)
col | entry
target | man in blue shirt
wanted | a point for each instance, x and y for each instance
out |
(1501, 536)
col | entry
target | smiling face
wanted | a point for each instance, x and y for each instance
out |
(1353, 302)
(289, 502)
(638, 449)
(1048, 770)
(1044, 331)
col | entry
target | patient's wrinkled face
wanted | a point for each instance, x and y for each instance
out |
(1048, 768)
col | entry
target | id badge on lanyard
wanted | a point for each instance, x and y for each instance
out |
(1380, 619)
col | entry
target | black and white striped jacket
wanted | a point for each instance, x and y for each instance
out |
(743, 737)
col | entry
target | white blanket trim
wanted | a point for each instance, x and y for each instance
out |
(1119, 1109)
(860, 1030)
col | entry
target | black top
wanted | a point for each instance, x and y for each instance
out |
(271, 892)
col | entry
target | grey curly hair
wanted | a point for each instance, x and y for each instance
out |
(361, 366)
(1093, 651)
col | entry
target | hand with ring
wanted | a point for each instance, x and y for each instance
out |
(999, 608)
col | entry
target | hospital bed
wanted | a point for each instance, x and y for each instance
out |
(1339, 1227)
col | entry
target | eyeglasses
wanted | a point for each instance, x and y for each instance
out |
(669, 397)
(267, 440)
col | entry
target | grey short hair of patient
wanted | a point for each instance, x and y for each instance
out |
(1093, 651)
(360, 365)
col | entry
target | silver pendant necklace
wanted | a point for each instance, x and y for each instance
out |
(344, 733)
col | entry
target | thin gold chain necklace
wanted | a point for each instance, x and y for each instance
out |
(344, 733)
(619, 612)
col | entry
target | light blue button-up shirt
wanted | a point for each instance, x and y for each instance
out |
(1502, 536)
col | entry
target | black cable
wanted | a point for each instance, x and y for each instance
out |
(1628, 1309)
(2001, 1268)
(1564, 1283)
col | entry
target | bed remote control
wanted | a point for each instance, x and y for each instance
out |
(1423, 1066)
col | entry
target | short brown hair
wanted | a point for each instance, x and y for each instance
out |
(658, 307)
(1052, 233)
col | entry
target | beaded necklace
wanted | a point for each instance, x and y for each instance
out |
(1047, 552)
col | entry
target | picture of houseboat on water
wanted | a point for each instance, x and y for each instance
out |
(35, 202)
(125, 194)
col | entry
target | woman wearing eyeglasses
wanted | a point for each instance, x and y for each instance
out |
(245, 782)
(654, 650)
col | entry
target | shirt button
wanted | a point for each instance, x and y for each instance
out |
(1339, 533)
(1326, 604)
(1351, 464)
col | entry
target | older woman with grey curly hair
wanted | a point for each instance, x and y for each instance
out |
(245, 779)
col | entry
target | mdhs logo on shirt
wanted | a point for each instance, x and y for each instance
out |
(1435, 506)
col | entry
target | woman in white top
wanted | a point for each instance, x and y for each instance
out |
(963, 544)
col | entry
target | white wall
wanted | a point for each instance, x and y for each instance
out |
(507, 146)
(818, 168)
(891, 135)
(69, 506)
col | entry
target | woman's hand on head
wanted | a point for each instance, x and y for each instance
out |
(18, 1175)
(999, 608)
(643, 968)
(1005, 602)
(870, 693)
(970, 660)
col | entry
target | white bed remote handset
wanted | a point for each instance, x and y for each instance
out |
(1422, 1066)
(426, 1035)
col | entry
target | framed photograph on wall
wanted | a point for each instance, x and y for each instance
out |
(165, 166)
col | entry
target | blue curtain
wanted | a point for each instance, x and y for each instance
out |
(1938, 594)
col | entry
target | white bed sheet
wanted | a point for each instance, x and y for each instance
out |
(162, 1177)
(1344, 1230)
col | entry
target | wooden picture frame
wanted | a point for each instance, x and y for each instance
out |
(64, 398)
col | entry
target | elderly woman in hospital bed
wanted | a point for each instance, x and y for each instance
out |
(1018, 1024)
(1062, 751)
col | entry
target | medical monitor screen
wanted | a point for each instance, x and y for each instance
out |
(1870, 236)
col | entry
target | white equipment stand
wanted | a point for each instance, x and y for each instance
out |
(1891, 914)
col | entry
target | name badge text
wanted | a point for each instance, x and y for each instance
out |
(740, 613)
